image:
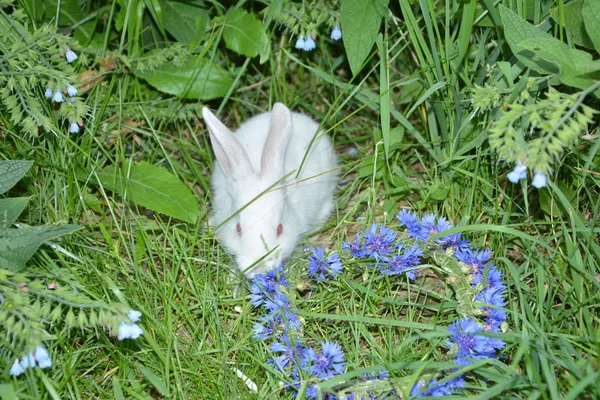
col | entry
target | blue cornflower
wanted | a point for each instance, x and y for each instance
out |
(410, 220)
(539, 180)
(73, 127)
(266, 286)
(493, 297)
(291, 353)
(71, 90)
(475, 259)
(464, 336)
(379, 245)
(309, 44)
(336, 33)
(404, 262)
(262, 332)
(323, 268)
(383, 374)
(58, 97)
(330, 362)
(494, 279)
(518, 173)
(16, 368)
(70, 55)
(355, 248)
(48, 93)
(434, 389)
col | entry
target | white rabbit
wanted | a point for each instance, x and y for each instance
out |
(266, 214)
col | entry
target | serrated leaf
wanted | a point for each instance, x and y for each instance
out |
(11, 172)
(155, 380)
(198, 79)
(10, 209)
(245, 34)
(18, 245)
(574, 23)
(591, 19)
(184, 21)
(152, 187)
(360, 20)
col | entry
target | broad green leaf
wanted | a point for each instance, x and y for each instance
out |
(199, 79)
(591, 19)
(155, 380)
(185, 22)
(7, 391)
(574, 23)
(516, 30)
(572, 65)
(10, 209)
(546, 54)
(18, 245)
(152, 187)
(11, 172)
(360, 20)
(245, 34)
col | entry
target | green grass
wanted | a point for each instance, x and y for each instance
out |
(413, 94)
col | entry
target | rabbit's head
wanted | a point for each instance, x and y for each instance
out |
(256, 224)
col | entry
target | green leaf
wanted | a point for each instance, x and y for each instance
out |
(360, 20)
(245, 34)
(152, 187)
(155, 380)
(7, 391)
(11, 172)
(574, 23)
(546, 54)
(573, 66)
(185, 22)
(18, 245)
(198, 79)
(10, 209)
(591, 20)
(466, 27)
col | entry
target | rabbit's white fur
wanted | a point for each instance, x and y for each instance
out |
(261, 152)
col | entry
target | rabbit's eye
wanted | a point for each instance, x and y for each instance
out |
(238, 228)
(279, 229)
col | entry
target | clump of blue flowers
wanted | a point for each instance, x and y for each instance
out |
(281, 326)
(474, 335)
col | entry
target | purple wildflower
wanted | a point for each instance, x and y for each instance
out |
(410, 220)
(404, 262)
(355, 248)
(266, 286)
(379, 244)
(324, 268)
(330, 362)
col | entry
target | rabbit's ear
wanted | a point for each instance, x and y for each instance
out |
(280, 132)
(229, 152)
